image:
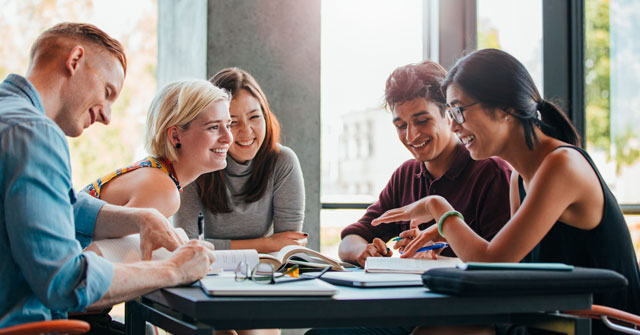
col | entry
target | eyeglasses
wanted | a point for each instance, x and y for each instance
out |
(455, 113)
(265, 273)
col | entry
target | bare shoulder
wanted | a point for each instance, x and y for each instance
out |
(567, 162)
(152, 188)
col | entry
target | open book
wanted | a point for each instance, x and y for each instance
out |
(304, 257)
(408, 265)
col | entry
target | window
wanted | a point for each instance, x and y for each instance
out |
(515, 27)
(612, 77)
(101, 149)
(360, 149)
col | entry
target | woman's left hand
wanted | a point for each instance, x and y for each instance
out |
(417, 212)
(424, 238)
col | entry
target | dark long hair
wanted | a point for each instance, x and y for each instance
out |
(498, 80)
(212, 185)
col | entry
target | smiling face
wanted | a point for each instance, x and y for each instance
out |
(90, 93)
(204, 144)
(483, 132)
(247, 125)
(422, 129)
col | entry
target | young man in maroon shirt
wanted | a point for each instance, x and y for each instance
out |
(442, 166)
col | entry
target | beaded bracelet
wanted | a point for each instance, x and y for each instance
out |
(444, 217)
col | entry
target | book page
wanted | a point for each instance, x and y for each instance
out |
(228, 260)
(408, 265)
(127, 249)
(308, 255)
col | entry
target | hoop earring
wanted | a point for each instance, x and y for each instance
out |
(178, 145)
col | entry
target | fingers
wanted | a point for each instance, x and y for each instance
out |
(415, 223)
(420, 241)
(146, 250)
(388, 216)
(380, 247)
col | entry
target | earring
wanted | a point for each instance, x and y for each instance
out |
(506, 118)
(178, 145)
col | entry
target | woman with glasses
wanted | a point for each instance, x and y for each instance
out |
(561, 207)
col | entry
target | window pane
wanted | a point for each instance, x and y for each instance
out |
(360, 149)
(99, 150)
(515, 27)
(612, 68)
(612, 78)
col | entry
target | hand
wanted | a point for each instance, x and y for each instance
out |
(417, 212)
(280, 240)
(192, 260)
(407, 236)
(377, 248)
(422, 239)
(156, 232)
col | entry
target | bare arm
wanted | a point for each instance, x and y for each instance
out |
(514, 192)
(145, 212)
(272, 243)
(562, 180)
(189, 263)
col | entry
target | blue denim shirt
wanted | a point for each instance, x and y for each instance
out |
(43, 226)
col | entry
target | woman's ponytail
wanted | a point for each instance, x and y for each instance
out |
(556, 124)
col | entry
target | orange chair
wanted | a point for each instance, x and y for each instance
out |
(615, 319)
(48, 327)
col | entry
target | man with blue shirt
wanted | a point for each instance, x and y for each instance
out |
(75, 74)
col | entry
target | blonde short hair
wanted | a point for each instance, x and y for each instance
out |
(177, 104)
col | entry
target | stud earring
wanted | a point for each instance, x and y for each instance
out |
(506, 118)
(178, 145)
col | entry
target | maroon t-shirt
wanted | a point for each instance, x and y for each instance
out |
(477, 189)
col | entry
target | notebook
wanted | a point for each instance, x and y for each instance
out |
(364, 279)
(228, 286)
(408, 265)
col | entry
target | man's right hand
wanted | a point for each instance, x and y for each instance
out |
(192, 261)
(377, 248)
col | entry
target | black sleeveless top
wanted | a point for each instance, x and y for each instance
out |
(607, 246)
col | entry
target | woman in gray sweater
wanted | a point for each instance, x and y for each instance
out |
(257, 201)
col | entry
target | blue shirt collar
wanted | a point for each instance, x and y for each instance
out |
(22, 86)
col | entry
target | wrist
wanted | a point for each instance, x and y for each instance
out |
(444, 217)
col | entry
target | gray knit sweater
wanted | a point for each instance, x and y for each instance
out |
(280, 209)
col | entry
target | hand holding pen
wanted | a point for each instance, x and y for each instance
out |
(424, 238)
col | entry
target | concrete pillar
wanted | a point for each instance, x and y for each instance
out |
(182, 40)
(278, 42)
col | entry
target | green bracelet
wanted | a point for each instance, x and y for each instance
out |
(444, 217)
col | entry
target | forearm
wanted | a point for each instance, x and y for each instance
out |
(136, 279)
(254, 243)
(467, 245)
(117, 221)
(351, 247)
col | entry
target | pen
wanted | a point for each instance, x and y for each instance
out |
(200, 226)
(397, 238)
(433, 246)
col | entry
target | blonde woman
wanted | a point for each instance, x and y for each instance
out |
(187, 134)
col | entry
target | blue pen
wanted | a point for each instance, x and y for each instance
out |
(431, 247)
